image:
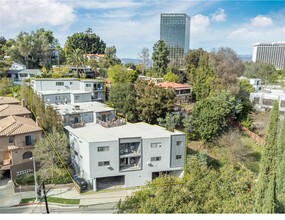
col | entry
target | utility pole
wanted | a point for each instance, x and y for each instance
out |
(45, 197)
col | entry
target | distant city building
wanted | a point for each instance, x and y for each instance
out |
(175, 32)
(272, 53)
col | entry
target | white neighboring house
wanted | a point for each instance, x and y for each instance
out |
(69, 90)
(125, 155)
(76, 115)
(255, 82)
(26, 74)
(263, 99)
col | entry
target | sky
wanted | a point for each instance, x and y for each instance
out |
(131, 25)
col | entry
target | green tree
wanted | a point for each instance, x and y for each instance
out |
(122, 97)
(203, 190)
(120, 74)
(210, 116)
(52, 154)
(35, 49)
(160, 57)
(170, 122)
(265, 192)
(111, 57)
(171, 77)
(77, 59)
(2, 44)
(88, 42)
(5, 85)
(4, 67)
(153, 101)
(266, 72)
(280, 177)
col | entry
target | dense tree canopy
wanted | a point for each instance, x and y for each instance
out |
(153, 102)
(202, 190)
(120, 74)
(210, 116)
(34, 50)
(88, 42)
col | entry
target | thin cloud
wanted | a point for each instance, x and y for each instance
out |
(219, 15)
(199, 23)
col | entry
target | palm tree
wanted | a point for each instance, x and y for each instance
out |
(76, 58)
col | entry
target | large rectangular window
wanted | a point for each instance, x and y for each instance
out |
(28, 140)
(104, 148)
(155, 159)
(103, 163)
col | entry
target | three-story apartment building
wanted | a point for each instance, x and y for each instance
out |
(18, 136)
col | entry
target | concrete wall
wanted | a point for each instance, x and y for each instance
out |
(50, 85)
(56, 98)
(80, 97)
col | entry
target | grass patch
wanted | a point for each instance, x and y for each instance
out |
(53, 200)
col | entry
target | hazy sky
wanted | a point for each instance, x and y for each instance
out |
(130, 25)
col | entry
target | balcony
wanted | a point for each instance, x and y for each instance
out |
(77, 125)
(113, 123)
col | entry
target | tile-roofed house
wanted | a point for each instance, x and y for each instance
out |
(183, 91)
(8, 100)
(18, 136)
(7, 110)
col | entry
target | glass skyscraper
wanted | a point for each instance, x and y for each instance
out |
(175, 32)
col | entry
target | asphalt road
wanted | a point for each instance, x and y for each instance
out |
(108, 208)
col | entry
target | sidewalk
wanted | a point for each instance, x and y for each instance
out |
(9, 198)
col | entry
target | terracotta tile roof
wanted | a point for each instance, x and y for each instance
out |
(14, 125)
(7, 110)
(95, 55)
(8, 100)
(173, 85)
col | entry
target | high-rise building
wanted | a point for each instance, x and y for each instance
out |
(273, 53)
(175, 32)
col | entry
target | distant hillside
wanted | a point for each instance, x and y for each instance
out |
(134, 61)
(245, 58)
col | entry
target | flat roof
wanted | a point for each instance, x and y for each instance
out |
(68, 79)
(65, 109)
(96, 133)
(51, 92)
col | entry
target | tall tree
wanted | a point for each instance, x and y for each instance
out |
(123, 98)
(153, 102)
(2, 44)
(5, 85)
(280, 177)
(88, 42)
(144, 56)
(52, 153)
(265, 192)
(77, 59)
(120, 74)
(227, 67)
(34, 49)
(111, 56)
(160, 57)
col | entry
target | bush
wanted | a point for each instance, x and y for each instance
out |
(25, 179)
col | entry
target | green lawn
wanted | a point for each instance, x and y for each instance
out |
(53, 200)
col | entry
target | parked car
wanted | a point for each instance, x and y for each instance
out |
(82, 184)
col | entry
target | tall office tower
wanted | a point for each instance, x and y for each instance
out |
(273, 53)
(175, 32)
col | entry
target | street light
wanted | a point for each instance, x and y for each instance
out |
(35, 177)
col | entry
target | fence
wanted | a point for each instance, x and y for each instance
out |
(257, 139)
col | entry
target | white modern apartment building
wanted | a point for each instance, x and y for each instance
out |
(264, 99)
(76, 115)
(273, 53)
(125, 155)
(68, 90)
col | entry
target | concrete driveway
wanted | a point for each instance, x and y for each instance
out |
(7, 195)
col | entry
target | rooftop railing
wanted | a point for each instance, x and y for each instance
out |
(113, 123)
